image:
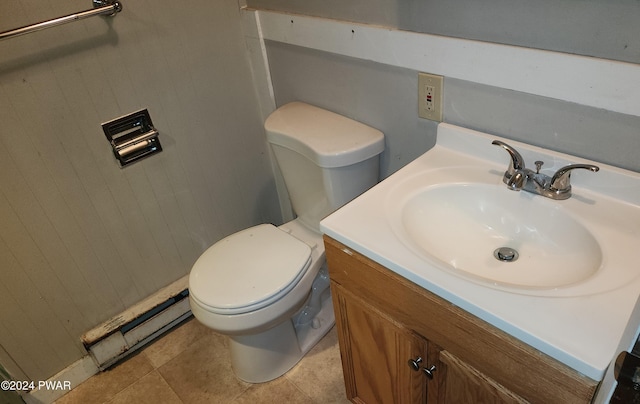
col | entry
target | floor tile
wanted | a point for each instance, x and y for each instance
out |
(202, 373)
(105, 385)
(177, 340)
(191, 364)
(319, 374)
(151, 389)
(280, 390)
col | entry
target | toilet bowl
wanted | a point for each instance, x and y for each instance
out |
(267, 287)
(271, 321)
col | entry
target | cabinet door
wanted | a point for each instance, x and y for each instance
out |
(384, 306)
(376, 352)
(465, 384)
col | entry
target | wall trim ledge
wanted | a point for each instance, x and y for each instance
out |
(590, 81)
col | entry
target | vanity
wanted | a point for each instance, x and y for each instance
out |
(431, 307)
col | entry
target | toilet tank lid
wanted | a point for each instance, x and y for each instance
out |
(326, 138)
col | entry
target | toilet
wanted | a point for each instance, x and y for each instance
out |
(267, 287)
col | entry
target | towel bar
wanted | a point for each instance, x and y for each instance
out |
(100, 7)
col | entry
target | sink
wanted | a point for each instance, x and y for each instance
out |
(465, 221)
(499, 236)
(439, 220)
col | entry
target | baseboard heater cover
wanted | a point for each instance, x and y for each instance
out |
(129, 331)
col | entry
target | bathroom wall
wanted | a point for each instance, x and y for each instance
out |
(80, 238)
(385, 96)
(601, 28)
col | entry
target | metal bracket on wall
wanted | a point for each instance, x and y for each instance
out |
(132, 137)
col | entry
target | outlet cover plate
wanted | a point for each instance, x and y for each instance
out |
(430, 89)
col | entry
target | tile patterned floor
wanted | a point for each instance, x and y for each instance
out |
(191, 365)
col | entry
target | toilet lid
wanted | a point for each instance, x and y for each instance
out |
(248, 270)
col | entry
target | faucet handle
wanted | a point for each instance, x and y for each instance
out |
(517, 162)
(561, 180)
(514, 177)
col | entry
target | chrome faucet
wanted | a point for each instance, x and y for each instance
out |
(518, 177)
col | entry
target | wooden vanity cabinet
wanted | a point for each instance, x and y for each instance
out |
(385, 321)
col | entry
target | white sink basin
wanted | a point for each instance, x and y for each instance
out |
(438, 220)
(499, 236)
(456, 218)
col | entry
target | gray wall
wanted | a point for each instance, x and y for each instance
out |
(386, 97)
(81, 239)
(602, 28)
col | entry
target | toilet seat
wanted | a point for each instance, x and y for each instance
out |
(248, 270)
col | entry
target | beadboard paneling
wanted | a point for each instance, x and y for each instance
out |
(80, 238)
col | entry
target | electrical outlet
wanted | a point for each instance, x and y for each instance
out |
(430, 96)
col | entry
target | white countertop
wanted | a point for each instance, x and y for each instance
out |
(581, 331)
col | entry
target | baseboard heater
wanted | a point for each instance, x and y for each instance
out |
(127, 332)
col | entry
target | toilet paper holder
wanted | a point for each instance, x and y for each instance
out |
(132, 137)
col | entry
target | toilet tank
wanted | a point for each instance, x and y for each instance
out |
(326, 159)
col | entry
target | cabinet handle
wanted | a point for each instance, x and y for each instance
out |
(429, 372)
(415, 363)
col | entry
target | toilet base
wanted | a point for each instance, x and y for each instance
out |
(268, 355)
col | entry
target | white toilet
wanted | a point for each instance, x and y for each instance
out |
(267, 287)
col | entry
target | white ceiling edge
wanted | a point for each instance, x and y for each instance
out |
(600, 83)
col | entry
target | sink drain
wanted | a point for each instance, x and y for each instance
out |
(505, 254)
